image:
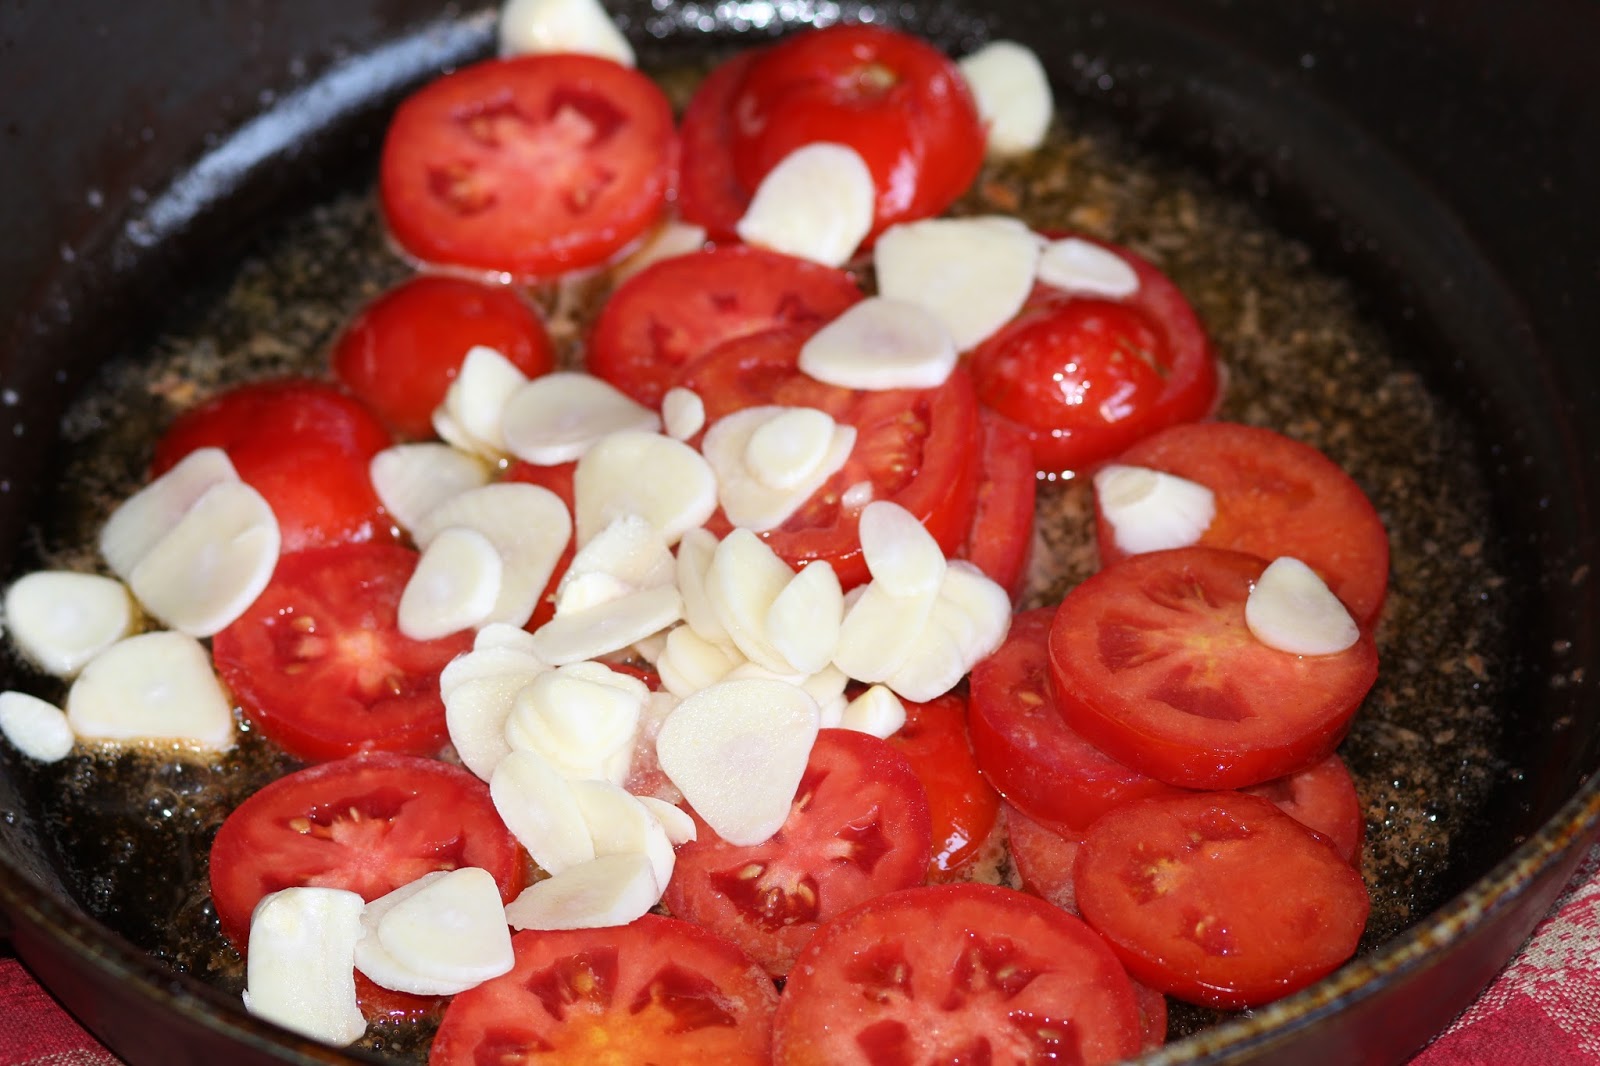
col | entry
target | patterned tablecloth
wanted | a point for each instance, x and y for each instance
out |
(1543, 1009)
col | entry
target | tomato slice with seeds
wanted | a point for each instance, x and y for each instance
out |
(531, 166)
(1275, 496)
(894, 98)
(1037, 761)
(306, 446)
(858, 827)
(916, 447)
(963, 805)
(402, 350)
(1000, 540)
(676, 310)
(656, 990)
(319, 664)
(956, 973)
(1088, 376)
(1043, 858)
(370, 824)
(1219, 898)
(1153, 663)
(1322, 798)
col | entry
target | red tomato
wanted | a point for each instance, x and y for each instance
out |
(680, 308)
(956, 973)
(859, 827)
(1219, 898)
(963, 805)
(1000, 540)
(401, 351)
(1275, 496)
(1087, 377)
(710, 194)
(318, 664)
(1154, 664)
(303, 445)
(655, 990)
(894, 98)
(1039, 763)
(558, 479)
(1322, 798)
(915, 447)
(369, 823)
(1043, 858)
(532, 166)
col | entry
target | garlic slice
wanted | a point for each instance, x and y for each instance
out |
(300, 969)
(675, 821)
(745, 579)
(971, 275)
(1013, 95)
(1151, 510)
(35, 727)
(609, 627)
(881, 343)
(770, 460)
(620, 824)
(581, 719)
(454, 586)
(452, 929)
(817, 204)
(1075, 265)
(877, 711)
(900, 553)
(663, 480)
(537, 805)
(528, 526)
(802, 623)
(1292, 610)
(669, 241)
(880, 631)
(152, 687)
(473, 411)
(968, 622)
(381, 968)
(413, 479)
(530, 27)
(557, 417)
(144, 518)
(683, 413)
(61, 619)
(606, 891)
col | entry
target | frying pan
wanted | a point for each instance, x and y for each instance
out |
(1441, 155)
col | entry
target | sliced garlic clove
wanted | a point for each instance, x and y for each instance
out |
(758, 487)
(556, 418)
(374, 961)
(61, 619)
(696, 551)
(607, 891)
(679, 827)
(452, 929)
(625, 556)
(1150, 510)
(620, 824)
(968, 622)
(475, 402)
(877, 711)
(501, 635)
(150, 514)
(900, 553)
(575, 719)
(609, 627)
(35, 727)
(880, 631)
(152, 687)
(1013, 95)
(300, 969)
(516, 663)
(475, 713)
(816, 204)
(970, 275)
(454, 586)
(881, 343)
(1292, 610)
(802, 624)
(1075, 265)
(788, 448)
(413, 479)
(663, 480)
(689, 662)
(669, 241)
(737, 750)
(537, 805)
(683, 413)
(529, 528)
(533, 27)
(745, 579)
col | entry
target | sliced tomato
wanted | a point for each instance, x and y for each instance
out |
(304, 445)
(1089, 376)
(656, 990)
(916, 447)
(1039, 763)
(956, 973)
(710, 193)
(1275, 496)
(531, 166)
(963, 805)
(1000, 540)
(899, 102)
(1219, 898)
(1322, 798)
(1154, 664)
(676, 310)
(558, 479)
(1043, 858)
(319, 664)
(858, 827)
(369, 824)
(402, 350)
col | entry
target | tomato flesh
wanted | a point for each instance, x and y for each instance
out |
(1000, 540)
(956, 973)
(963, 805)
(1153, 663)
(1219, 898)
(1322, 798)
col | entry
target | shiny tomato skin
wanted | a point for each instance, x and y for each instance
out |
(304, 445)
(1152, 662)
(1322, 798)
(1275, 496)
(675, 311)
(899, 102)
(1008, 977)
(656, 990)
(915, 446)
(401, 351)
(1036, 760)
(319, 665)
(963, 805)
(1219, 898)
(530, 166)
(710, 193)
(369, 823)
(859, 827)
(1089, 376)
(1000, 539)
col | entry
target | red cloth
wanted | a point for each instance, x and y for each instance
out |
(1543, 1009)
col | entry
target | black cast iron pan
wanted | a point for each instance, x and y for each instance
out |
(1439, 155)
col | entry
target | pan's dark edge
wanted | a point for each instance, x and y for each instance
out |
(1225, 81)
